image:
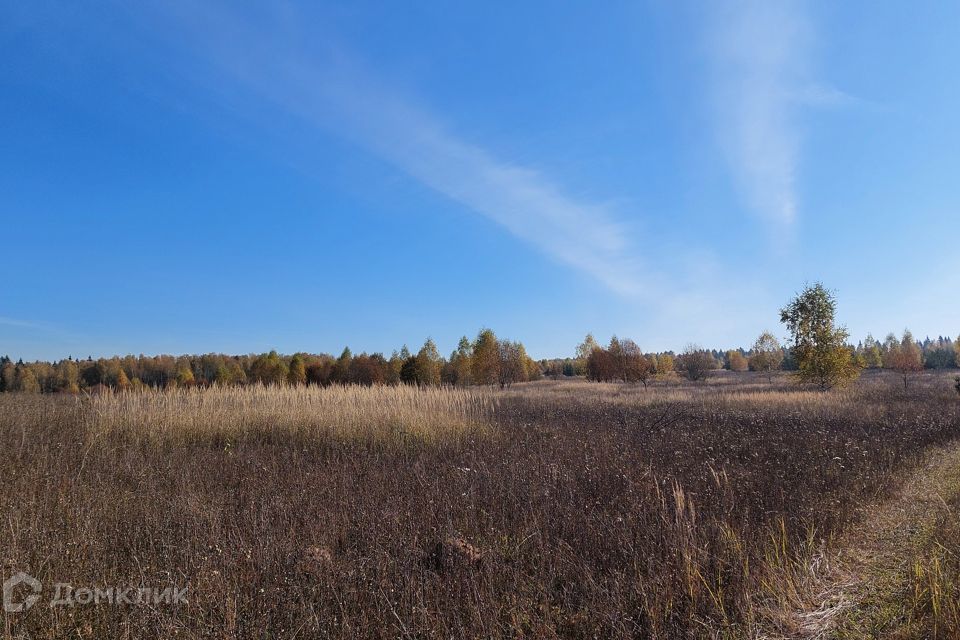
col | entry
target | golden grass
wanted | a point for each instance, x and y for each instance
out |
(379, 413)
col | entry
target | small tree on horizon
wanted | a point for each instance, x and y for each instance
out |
(766, 355)
(695, 362)
(906, 358)
(820, 348)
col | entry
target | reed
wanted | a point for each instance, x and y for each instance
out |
(374, 413)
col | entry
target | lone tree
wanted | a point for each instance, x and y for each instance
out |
(906, 358)
(820, 348)
(766, 355)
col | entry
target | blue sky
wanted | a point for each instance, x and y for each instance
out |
(181, 178)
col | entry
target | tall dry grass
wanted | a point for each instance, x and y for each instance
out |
(378, 413)
(583, 511)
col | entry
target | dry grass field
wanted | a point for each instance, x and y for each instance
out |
(551, 509)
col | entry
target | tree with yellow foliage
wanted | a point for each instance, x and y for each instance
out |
(906, 357)
(820, 348)
(766, 355)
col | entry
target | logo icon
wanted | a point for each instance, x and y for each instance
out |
(11, 604)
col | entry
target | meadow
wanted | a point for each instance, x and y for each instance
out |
(559, 508)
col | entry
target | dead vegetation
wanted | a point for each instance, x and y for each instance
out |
(229, 414)
(547, 510)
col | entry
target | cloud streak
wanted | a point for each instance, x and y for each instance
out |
(13, 322)
(322, 86)
(327, 90)
(582, 234)
(761, 52)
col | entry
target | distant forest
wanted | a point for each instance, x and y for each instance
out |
(486, 360)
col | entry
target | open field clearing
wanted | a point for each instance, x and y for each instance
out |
(550, 509)
(482, 320)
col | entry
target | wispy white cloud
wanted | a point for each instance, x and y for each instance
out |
(762, 56)
(815, 95)
(581, 233)
(13, 322)
(326, 88)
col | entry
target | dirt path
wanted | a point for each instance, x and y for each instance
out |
(864, 592)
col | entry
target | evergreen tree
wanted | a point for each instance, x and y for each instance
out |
(7, 375)
(408, 371)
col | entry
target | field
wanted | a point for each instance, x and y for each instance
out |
(549, 509)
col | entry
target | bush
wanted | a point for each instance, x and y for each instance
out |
(695, 362)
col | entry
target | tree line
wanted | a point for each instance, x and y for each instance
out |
(487, 360)
(818, 352)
